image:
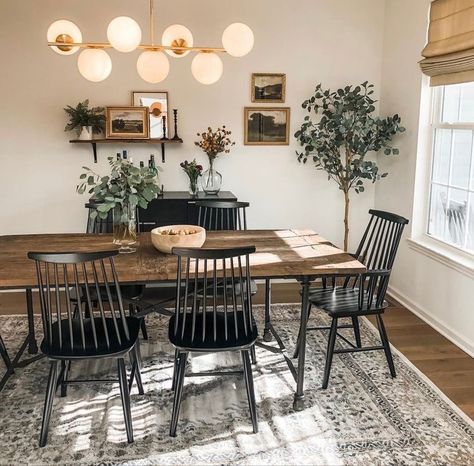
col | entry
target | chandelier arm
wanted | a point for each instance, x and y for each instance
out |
(106, 45)
(152, 27)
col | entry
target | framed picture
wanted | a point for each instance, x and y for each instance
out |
(157, 103)
(127, 122)
(268, 87)
(267, 126)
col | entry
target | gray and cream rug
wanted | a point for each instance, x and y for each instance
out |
(363, 418)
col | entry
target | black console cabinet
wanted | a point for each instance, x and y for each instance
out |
(176, 208)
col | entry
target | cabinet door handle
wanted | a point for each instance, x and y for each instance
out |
(191, 202)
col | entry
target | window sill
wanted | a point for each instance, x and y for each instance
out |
(443, 254)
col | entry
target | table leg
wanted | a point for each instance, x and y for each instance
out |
(32, 345)
(267, 334)
(298, 403)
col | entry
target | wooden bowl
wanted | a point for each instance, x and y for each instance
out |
(165, 243)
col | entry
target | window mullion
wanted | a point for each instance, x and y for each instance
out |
(468, 203)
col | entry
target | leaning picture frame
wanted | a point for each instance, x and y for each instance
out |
(127, 123)
(158, 107)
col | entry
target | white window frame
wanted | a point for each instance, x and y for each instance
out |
(442, 251)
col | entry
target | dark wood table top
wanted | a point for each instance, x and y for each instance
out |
(280, 254)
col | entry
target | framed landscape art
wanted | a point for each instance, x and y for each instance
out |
(157, 103)
(266, 126)
(127, 122)
(268, 87)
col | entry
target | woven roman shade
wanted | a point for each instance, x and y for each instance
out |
(449, 54)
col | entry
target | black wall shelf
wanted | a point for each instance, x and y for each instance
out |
(94, 142)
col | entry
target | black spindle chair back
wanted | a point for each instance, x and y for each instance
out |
(222, 215)
(377, 251)
(96, 325)
(209, 311)
(95, 224)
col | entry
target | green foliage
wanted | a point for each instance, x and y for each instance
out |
(82, 115)
(126, 184)
(346, 132)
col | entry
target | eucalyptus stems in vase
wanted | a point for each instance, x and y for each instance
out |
(121, 192)
(214, 143)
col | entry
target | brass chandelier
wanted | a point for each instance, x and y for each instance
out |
(124, 35)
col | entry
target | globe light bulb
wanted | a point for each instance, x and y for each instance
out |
(124, 34)
(238, 39)
(177, 35)
(153, 66)
(64, 31)
(207, 67)
(94, 64)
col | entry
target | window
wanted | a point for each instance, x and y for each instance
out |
(451, 190)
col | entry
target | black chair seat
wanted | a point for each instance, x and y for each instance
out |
(197, 343)
(343, 302)
(78, 351)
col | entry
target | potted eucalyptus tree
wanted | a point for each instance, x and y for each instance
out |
(339, 133)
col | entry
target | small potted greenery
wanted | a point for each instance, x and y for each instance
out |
(122, 191)
(213, 143)
(86, 121)
(194, 171)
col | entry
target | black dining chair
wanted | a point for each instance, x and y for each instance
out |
(226, 215)
(74, 330)
(221, 321)
(222, 215)
(363, 294)
(132, 293)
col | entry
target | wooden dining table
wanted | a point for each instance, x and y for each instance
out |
(302, 255)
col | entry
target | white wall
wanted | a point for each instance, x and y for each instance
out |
(439, 294)
(335, 42)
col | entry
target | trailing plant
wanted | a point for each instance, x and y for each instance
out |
(82, 115)
(214, 143)
(125, 185)
(339, 141)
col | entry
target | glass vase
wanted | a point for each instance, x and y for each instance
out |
(125, 228)
(193, 187)
(211, 181)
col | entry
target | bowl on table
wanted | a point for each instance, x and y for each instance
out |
(177, 236)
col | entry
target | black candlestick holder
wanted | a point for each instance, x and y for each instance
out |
(175, 116)
(164, 138)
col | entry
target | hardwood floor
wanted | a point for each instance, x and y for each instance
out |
(450, 368)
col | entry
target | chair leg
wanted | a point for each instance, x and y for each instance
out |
(133, 309)
(386, 345)
(125, 395)
(138, 376)
(330, 352)
(355, 324)
(253, 354)
(175, 369)
(48, 403)
(65, 368)
(296, 352)
(250, 389)
(178, 393)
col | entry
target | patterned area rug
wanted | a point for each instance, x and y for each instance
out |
(363, 418)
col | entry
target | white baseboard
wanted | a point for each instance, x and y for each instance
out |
(452, 335)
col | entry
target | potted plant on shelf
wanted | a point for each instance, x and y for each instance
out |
(86, 121)
(340, 140)
(194, 171)
(121, 192)
(213, 143)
